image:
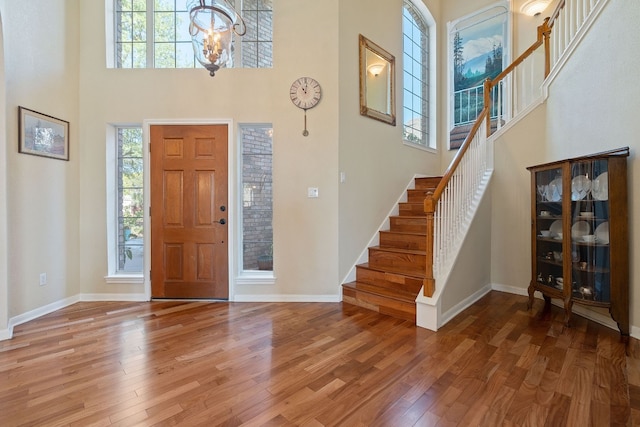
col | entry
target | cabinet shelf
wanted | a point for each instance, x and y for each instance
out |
(594, 273)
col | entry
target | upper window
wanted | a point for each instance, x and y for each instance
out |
(155, 34)
(416, 85)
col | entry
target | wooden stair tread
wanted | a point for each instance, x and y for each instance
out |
(414, 275)
(408, 233)
(394, 294)
(399, 250)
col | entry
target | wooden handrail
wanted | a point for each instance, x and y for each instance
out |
(556, 13)
(431, 200)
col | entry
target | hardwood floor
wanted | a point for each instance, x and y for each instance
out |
(194, 363)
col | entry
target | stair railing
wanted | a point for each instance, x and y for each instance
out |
(448, 208)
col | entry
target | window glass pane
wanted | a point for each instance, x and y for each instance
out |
(165, 55)
(130, 203)
(184, 55)
(124, 28)
(164, 5)
(182, 27)
(164, 27)
(414, 75)
(139, 26)
(257, 198)
(139, 5)
(139, 55)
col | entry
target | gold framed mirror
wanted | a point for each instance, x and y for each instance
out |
(377, 81)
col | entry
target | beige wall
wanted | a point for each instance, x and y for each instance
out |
(41, 56)
(377, 165)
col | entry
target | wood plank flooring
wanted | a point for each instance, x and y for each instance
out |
(168, 363)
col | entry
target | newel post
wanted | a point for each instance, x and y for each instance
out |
(487, 104)
(429, 281)
(546, 33)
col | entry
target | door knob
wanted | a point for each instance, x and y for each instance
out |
(222, 221)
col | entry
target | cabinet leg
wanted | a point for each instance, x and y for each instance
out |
(567, 312)
(530, 302)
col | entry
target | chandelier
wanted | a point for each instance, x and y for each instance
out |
(212, 24)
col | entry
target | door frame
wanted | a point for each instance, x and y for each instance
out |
(231, 204)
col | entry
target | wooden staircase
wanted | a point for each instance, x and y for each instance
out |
(391, 280)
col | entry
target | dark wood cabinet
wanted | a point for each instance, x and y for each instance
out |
(579, 234)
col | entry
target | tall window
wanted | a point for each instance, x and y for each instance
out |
(257, 197)
(415, 99)
(129, 204)
(155, 34)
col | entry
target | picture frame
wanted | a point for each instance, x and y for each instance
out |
(43, 135)
(377, 82)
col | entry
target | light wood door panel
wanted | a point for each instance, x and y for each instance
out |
(189, 230)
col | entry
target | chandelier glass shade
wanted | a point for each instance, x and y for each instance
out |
(212, 24)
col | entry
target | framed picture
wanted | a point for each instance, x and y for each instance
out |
(43, 135)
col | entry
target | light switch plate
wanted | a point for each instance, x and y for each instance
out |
(312, 192)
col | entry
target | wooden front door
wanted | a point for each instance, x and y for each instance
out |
(189, 256)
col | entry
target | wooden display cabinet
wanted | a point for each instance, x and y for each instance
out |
(579, 234)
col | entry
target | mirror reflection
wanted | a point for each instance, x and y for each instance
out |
(377, 75)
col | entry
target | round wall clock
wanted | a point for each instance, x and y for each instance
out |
(305, 93)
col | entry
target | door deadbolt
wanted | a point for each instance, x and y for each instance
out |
(223, 208)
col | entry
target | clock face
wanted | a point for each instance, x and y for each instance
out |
(305, 93)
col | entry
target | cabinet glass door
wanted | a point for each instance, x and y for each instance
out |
(590, 232)
(549, 256)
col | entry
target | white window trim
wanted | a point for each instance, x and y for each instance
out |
(433, 78)
(247, 277)
(113, 277)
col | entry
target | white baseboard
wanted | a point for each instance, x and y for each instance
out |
(288, 298)
(114, 297)
(464, 304)
(57, 305)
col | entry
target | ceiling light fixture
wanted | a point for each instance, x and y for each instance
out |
(212, 25)
(534, 7)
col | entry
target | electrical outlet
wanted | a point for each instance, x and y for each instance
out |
(43, 279)
(312, 192)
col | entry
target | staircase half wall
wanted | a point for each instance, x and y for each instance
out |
(470, 275)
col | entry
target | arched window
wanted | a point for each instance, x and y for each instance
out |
(416, 77)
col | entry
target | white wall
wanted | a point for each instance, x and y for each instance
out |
(592, 107)
(40, 58)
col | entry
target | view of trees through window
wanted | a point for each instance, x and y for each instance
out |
(155, 34)
(130, 202)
